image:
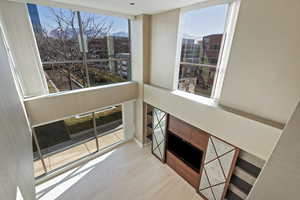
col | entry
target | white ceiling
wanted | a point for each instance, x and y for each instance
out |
(140, 7)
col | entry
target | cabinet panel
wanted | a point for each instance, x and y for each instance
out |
(187, 173)
(183, 170)
(159, 126)
(171, 160)
(180, 128)
(199, 138)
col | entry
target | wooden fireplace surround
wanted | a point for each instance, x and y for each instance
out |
(196, 138)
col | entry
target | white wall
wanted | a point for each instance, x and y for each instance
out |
(23, 47)
(280, 177)
(262, 76)
(263, 71)
(129, 121)
(164, 39)
(140, 41)
(16, 168)
(49, 108)
(252, 136)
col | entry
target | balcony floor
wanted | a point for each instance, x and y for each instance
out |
(127, 172)
(59, 159)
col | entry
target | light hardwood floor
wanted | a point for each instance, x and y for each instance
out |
(126, 173)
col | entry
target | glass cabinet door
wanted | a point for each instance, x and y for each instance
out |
(159, 126)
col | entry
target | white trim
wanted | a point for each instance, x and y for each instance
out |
(75, 7)
(178, 53)
(205, 4)
(37, 57)
(79, 90)
(86, 113)
(138, 142)
(147, 144)
(224, 59)
(23, 49)
(220, 67)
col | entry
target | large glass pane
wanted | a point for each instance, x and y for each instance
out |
(108, 53)
(56, 33)
(68, 140)
(64, 141)
(109, 126)
(38, 168)
(74, 56)
(203, 32)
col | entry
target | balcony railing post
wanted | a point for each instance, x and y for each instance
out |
(95, 131)
(39, 149)
(69, 77)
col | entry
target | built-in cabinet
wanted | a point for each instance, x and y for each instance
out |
(217, 168)
(203, 160)
(159, 128)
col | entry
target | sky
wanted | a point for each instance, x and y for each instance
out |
(119, 24)
(206, 21)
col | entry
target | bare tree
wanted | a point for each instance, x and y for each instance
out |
(61, 41)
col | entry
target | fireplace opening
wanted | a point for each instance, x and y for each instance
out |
(186, 152)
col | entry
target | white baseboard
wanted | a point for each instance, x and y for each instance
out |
(138, 143)
(148, 144)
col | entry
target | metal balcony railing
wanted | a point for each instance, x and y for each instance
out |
(72, 74)
(197, 78)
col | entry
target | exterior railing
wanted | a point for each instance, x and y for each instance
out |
(59, 143)
(72, 74)
(197, 78)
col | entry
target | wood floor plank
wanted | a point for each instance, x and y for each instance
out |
(128, 173)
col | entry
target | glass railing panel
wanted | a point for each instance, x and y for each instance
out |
(109, 126)
(38, 168)
(65, 141)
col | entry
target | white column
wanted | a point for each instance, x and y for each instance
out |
(128, 115)
(140, 49)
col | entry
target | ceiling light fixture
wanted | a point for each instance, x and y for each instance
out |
(132, 3)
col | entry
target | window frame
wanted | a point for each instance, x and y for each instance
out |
(225, 48)
(75, 8)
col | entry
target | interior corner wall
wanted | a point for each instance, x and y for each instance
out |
(280, 177)
(164, 40)
(24, 50)
(128, 115)
(262, 76)
(140, 37)
(16, 168)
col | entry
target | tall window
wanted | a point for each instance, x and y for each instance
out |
(80, 49)
(203, 34)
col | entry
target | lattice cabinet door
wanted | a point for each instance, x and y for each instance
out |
(218, 166)
(159, 133)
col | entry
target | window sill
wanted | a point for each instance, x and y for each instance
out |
(214, 103)
(197, 98)
(79, 90)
